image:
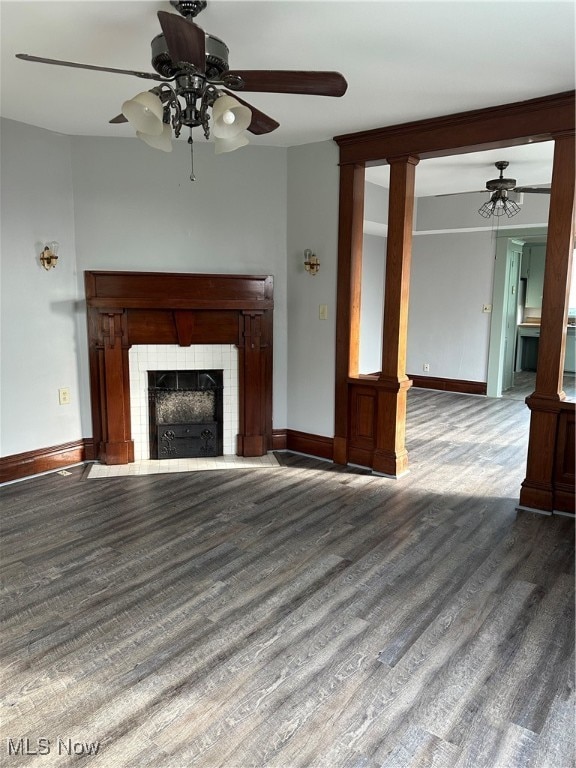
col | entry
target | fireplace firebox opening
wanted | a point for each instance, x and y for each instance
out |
(185, 414)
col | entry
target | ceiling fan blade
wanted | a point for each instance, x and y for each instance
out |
(186, 41)
(144, 75)
(261, 123)
(537, 190)
(466, 192)
(118, 119)
(286, 81)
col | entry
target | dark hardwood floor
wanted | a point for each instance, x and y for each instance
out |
(309, 616)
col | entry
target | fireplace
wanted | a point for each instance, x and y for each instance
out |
(185, 414)
(143, 358)
(131, 311)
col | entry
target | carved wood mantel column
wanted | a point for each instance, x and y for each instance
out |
(390, 455)
(254, 364)
(116, 446)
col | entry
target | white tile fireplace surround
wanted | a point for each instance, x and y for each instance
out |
(171, 357)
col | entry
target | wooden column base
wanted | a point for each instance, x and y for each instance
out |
(390, 463)
(117, 452)
(340, 450)
(549, 482)
(251, 445)
(390, 455)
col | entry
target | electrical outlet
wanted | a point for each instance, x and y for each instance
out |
(426, 367)
(323, 312)
(64, 396)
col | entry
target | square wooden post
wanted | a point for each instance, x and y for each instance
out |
(390, 455)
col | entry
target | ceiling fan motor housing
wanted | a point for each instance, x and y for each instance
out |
(216, 58)
(501, 184)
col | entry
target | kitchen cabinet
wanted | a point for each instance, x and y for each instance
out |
(527, 348)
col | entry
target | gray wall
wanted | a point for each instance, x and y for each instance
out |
(118, 204)
(452, 276)
(313, 180)
(136, 209)
(39, 340)
(372, 303)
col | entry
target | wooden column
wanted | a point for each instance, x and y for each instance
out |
(117, 447)
(252, 438)
(390, 455)
(544, 403)
(350, 238)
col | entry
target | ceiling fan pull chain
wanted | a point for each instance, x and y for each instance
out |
(192, 177)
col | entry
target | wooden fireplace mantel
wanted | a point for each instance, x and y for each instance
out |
(126, 308)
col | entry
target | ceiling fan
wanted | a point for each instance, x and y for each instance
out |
(509, 185)
(193, 75)
(499, 203)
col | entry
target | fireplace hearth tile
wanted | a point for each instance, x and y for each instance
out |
(163, 466)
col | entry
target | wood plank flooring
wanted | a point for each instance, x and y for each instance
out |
(308, 616)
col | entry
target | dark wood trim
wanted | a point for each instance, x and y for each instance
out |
(279, 438)
(550, 117)
(550, 477)
(314, 445)
(34, 462)
(500, 126)
(565, 469)
(351, 234)
(449, 385)
(173, 290)
(126, 308)
(390, 455)
(546, 447)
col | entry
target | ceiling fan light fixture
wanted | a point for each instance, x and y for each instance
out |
(190, 65)
(499, 205)
(230, 117)
(145, 112)
(163, 142)
(229, 145)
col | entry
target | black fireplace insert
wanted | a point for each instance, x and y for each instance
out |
(186, 414)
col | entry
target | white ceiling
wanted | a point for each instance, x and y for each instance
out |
(403, 61)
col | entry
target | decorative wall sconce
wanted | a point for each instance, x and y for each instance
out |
(49, 255)
(311, 263)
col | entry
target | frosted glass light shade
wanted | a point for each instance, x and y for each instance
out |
(163, 142)
(229, 117)
(229, 145)
(145, 112)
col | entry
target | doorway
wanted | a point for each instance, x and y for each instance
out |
(511, 306)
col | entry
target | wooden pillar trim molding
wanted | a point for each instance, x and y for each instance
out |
(538, 488)
(503, 125)
(350, 238)
(390, 455)
(126, 308)
(541, 119)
